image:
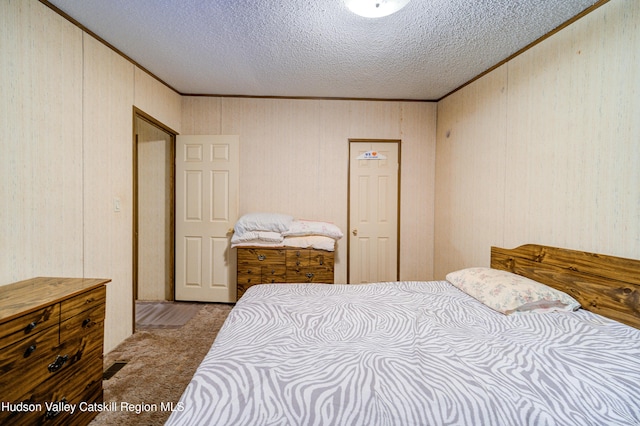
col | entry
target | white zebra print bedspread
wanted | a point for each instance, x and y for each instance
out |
(410, 353)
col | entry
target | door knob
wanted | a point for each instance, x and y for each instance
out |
(354, 232)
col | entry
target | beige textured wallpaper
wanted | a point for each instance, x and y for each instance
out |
(294, 160)
(41, 143)
(545, 149)
(66, 154)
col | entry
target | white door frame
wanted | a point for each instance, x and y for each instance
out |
(349, 225)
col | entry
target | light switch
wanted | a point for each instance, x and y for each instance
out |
(116, 205)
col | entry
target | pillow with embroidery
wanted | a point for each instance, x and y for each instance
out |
(510, 293)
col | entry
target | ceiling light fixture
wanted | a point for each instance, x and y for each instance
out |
(375, 8)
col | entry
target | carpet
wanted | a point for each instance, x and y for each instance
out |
(159, 365)
(164, 314)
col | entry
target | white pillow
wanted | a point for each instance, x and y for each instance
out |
(274, 222)
(510, 293)
(301, 228)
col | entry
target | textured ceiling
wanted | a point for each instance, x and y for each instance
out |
(312, 48)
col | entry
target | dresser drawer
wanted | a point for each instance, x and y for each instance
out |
(74, 393)
(303, 258)
(23, 365)
(19, 328)
(298, 258)
(310, 275)
(26, 364)
(82, 302)
(83, 323)
(321, 260)
(260, 257)
(273, 273)
(249, 274)
(259, 266)
(324, 275)
(83, 382)
(264, 274)
(309, 266)
(79, 345)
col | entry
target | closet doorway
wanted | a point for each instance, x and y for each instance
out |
(153, 213)
(374, 211)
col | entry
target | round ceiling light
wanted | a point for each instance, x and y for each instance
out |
(375, 8)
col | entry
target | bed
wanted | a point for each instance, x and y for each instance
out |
(427, 353)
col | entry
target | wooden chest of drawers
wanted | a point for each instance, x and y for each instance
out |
(257, 265)
(51, 344)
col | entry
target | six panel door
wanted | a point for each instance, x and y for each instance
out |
(373, 211)
(207, 175)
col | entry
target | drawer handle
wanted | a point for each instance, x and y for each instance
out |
(50, 414)
(88, 323)
(58, 363)
(31, 349)
(30, 327)
(297, 263)
(261, 257)
(310, 275)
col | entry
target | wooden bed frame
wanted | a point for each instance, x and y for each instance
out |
(606, 285)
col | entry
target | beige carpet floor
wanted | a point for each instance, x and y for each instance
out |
(159, 364)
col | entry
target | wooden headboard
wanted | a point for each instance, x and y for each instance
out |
(606, 285)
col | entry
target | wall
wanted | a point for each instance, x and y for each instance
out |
(155, 207)
(545, 149)
(66, 152)
(294, 159)
(40, 144)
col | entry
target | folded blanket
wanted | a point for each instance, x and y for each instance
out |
(300, 228)
(256, 243)
(257, 236)
(311, 241)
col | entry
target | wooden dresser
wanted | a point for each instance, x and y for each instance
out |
(258, 265)
(51, 344)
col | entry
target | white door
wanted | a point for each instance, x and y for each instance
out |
(207, 172)
(373, 211)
